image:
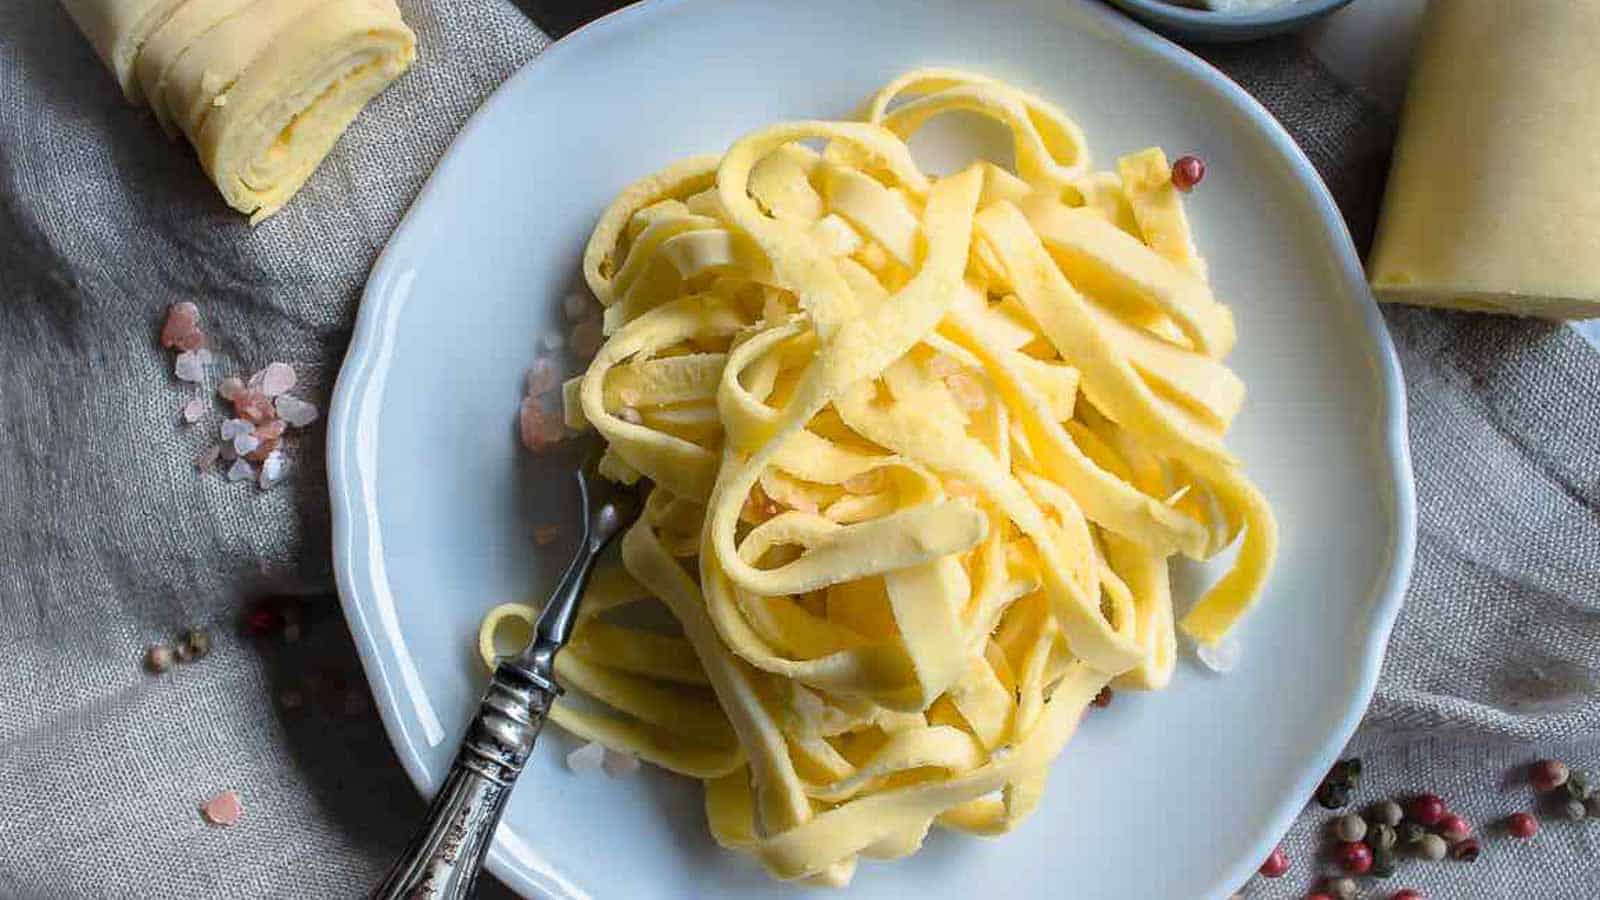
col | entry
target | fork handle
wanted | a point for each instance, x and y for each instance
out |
(443, 860)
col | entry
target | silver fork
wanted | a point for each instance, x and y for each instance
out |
(443, 860)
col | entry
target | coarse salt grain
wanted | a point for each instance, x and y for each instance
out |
(273, 429)
(255, 406)
(232, 428)
(272, 469)
(296, 412)
(1221, 657)
(591, 757)
(245, 443)
(276, 378)
(224, 809)
(969, 394)
(191, 365)
(241, 471)
(193, 410)
(230, 388)
(542, 377)
(207, 460)
(630, 415)
(183, 319)
(586, 337)
(619, 765)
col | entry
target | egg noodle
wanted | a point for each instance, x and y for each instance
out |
(920, 450)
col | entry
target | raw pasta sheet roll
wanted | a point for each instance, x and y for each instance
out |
(261, 88)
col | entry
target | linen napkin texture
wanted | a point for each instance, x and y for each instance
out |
(110, 540)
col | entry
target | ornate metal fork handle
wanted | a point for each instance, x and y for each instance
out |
(443, 860)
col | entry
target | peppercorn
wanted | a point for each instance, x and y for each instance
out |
(1432, 847)
(1354, 857)
(1453, 828)
(1574, 810)
(157, 658)
(1406, 894)
(1103, 699)
(1410, 833)
(1333, 796)
(1548, 774)
(1466, 851)
(1382, 836)
(1382, 863)
(1277, 863)
(196, 643)
(1187, 172)
(1350, 827)
(1426, 809)
(1522, 825)
(1386, 813)
(1342, 888)
(1577, 786)
(1346, 771)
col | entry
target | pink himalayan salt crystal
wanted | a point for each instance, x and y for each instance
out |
(190, 365)
(542, 377)
(272, 470)
(294, 411)
(618, 764)
(245, 444)
(586, 337)
(241, 471)
(193, 410)
(969, 394)
(254, 406)
(207, 460)
(575, 305)
(271, 430)
(232, 428)
(230, 388)
(538, 428)
(182, 327)
(591, 757)
(276, 378)
(265, 447)
(943, 364)
(224, 809)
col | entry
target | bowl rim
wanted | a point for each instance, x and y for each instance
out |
(1166, 13)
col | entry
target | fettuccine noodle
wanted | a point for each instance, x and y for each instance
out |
(921, 449)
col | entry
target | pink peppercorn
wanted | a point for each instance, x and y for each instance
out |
(1277, 864)
(263, 620)
(1407, 894)
(1454, 828)
(1187, 172)
(1548, 774)
(1354, 857)
(1522, 825)
(1319, 896)
(1426, 809)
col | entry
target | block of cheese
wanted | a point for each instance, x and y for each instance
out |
(1493, 201)
(261, 88)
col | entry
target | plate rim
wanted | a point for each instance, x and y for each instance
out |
(349, 479)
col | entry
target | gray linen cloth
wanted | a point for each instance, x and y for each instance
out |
(109, 540)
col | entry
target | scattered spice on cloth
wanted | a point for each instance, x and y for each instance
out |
(224, 809)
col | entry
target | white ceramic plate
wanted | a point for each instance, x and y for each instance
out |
(1177, 794)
